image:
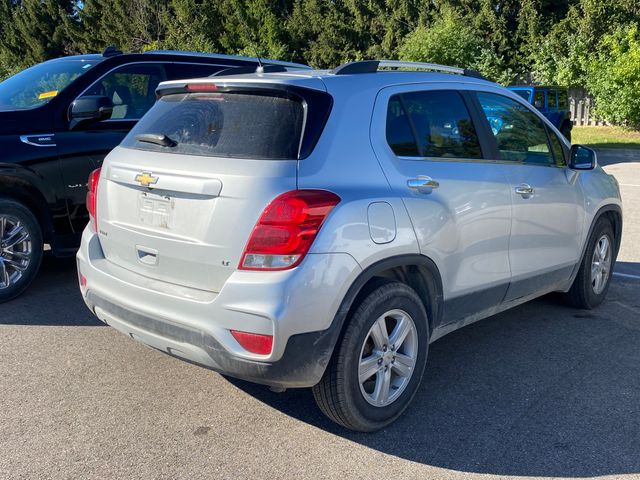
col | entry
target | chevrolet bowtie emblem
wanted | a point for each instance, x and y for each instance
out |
(146, 178)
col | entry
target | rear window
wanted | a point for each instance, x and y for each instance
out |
(229, 124)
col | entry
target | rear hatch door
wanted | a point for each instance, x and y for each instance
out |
(179, 198)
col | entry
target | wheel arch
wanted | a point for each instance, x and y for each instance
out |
(613, 213)
(22, 191)
(417, 271)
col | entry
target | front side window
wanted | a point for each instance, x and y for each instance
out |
(538, 99)
(558, 151)
(131, 89)
(519, 133)
(36, 86)
(431, 124)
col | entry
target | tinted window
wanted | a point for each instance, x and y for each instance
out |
(399, 134)
(538, 99)
(526, 94)
(132, 89)
(37, 85)
(177, 71)
(556, 146)
(224, 124)
(520, 134)
(563, 100)
(438, 120)
(551, 99)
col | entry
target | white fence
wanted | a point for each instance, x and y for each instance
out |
(581, 106)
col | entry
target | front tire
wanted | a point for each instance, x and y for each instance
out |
(21, 248)
(592, 282)
(378, 365)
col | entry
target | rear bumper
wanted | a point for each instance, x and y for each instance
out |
(297, 307)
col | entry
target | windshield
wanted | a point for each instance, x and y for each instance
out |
(245, 125)
(523, 93)
(37, 85)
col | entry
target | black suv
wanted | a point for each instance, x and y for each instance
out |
(58, 120)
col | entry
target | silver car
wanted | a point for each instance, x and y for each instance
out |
(321, 228)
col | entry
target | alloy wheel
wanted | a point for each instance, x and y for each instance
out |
(15, 250)
(601, 264)
(388, 358)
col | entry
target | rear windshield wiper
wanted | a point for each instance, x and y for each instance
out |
(157, 139)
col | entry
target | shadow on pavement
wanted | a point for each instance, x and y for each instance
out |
(53, 298)
(609, 154)
(542, 390)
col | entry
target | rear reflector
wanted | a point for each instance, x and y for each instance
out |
(286, 229)
(254, 342)
(92, 198)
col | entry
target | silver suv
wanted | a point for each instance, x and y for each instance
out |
(321, 228)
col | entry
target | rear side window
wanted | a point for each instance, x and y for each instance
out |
(519, 133)
(229, 124)
(431, 124)
(551, 99)
(563, 100)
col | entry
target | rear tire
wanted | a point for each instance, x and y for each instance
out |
(378, 365)
(592, 282)
(21, 248)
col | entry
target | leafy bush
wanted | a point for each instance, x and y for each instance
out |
(614, 77)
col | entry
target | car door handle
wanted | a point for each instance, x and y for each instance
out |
(422, 183)
(524, 189)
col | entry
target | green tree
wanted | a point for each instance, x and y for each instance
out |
(193, 25)
(453, 39)
(131, 25)
(33, 31)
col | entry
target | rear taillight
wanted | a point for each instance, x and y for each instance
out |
(92, 198)
(286, 229)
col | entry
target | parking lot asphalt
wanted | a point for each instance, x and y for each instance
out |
(542, 390)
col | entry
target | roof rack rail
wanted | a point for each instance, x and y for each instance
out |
(372, 66)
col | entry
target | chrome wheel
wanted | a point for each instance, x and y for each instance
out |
(601, 264)
(15, 250)
(387, 358)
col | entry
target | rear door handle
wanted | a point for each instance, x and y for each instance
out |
(525, 190)
(422, 183)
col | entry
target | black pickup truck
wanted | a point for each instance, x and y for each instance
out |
(58, 120)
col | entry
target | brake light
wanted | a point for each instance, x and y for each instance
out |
(92, 198)
(286, 229)
(201, 87)
(254, 342)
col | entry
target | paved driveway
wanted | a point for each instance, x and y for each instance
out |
(540, 391)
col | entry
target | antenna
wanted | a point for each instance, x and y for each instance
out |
(243, 20)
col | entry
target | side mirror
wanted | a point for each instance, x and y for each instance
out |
(538, 104)
(90, 109)
(582, 158)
